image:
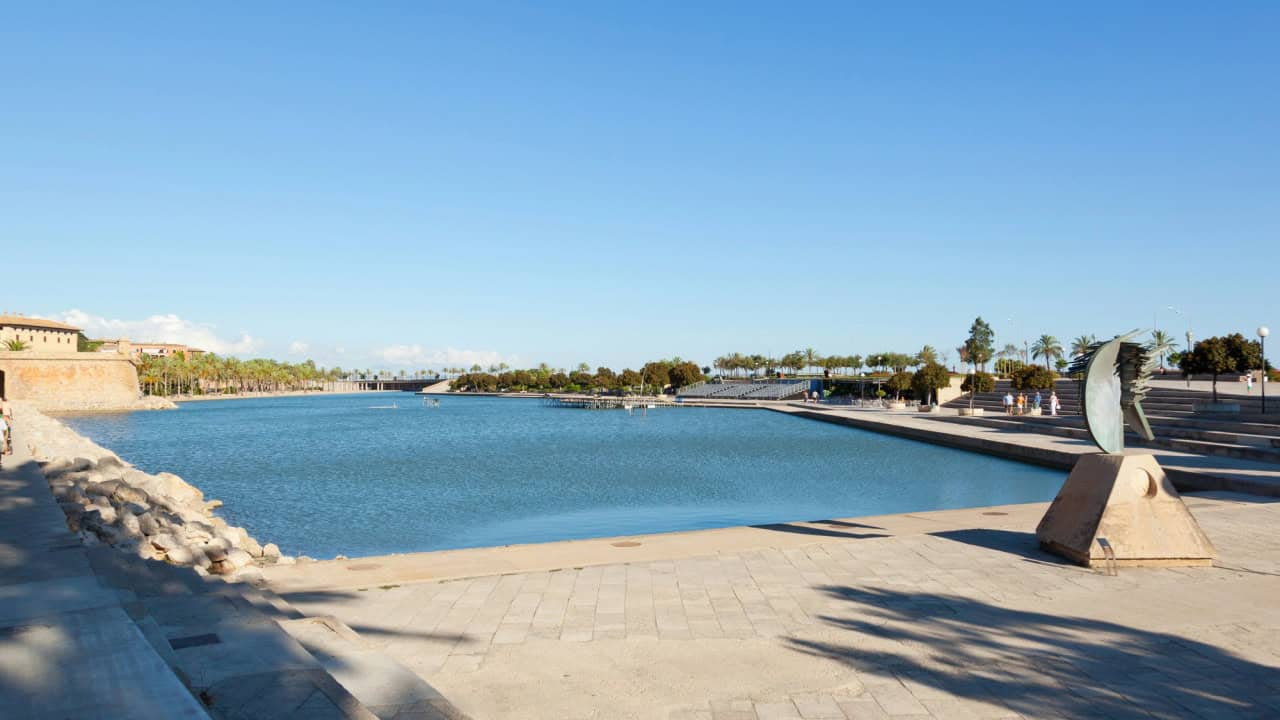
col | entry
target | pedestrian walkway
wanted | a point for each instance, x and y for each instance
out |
(68, 649)
(950, 614)
(1189, 471)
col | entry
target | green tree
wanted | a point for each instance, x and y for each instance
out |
(980, 343)
(1061, 364)
(84, 344)
(685, 373)
(811, 358)
(926, 356)
(898, 383)
(15, 345)
(1047, 347)
(1230, 354)
(1081, 345)
(930, 378)
(1161, 344)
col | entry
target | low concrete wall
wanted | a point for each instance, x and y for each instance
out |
(70, 381)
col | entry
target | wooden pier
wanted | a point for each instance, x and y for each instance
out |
(609, 402)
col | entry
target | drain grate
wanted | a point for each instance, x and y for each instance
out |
(626, 543)
(364, 566)
(995, 512)
(189, 641)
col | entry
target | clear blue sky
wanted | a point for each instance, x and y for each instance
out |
(613, 182)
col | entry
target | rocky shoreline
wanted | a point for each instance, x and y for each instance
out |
(156, 517)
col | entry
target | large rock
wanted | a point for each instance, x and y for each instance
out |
(127, 494)
(181, 555)
(165, 542)
(271, 551)
(239, 558)
(147, 524)
(106, 514)
(106, 488)
(130, 525)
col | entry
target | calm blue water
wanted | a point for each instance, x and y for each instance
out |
(323, 476)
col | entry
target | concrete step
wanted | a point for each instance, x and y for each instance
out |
(376, 679)
(224, 642)
(1052, 426)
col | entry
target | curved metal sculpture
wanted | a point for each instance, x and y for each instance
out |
(1115, 382)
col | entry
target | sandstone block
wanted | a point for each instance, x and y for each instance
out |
(239, 558)
(180, 555)
(129, 524)
(126, 494)
(147, 524)
(271, 550)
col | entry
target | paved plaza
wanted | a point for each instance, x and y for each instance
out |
(952, 614)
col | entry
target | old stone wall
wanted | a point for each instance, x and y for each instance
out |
(70, 381)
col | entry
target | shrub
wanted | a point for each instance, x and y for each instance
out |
(929, 379)
(1033, 377)
(976, 383)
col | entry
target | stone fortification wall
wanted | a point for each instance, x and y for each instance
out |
(158, 517)
(71, 381)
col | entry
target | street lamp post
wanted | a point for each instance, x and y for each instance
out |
(1188, 351)
(1263, 332)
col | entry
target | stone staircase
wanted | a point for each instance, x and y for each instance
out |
(1248, 435)
(1163, 400)
(246, 653)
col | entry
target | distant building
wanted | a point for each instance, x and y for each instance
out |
(140, 350)
(40, 336)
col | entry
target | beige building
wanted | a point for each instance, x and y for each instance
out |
(138, 350)
(39, 336)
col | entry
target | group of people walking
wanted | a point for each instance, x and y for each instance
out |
(1018, 405)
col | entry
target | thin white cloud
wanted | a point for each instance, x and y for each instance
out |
(297, 347)
(162, 329)
(417, 355)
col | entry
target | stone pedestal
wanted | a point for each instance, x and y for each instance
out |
(1125, 503)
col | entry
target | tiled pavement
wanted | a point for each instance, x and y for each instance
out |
(970, 623)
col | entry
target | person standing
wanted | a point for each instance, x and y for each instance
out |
(1008, 403)
(1054, 403)
(1022, 403)
(6, 427)
(1248, 383)
(1035, 402)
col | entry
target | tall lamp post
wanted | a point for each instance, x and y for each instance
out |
(1263, 332)
(1188, 350)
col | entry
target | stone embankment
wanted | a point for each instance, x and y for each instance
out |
(157, 517)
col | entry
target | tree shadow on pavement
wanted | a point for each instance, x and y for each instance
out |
(1038, 664)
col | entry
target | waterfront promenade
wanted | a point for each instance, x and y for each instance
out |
(68, 648)
(949, 614)
(1189, 471)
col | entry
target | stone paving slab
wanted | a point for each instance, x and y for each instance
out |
(950, 614)
(68, 649)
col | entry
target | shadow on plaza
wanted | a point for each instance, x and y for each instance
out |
(1036, 663)
(809, 529)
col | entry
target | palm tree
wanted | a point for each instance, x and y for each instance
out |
(927, 355)
(1080, 345)
(1047, 347)
(810, 358)
(15, 345)
(1161, 344)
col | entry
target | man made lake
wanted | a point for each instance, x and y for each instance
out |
(329, 475)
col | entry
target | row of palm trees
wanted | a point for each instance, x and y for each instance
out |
(213, 374)
(1049, 349)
